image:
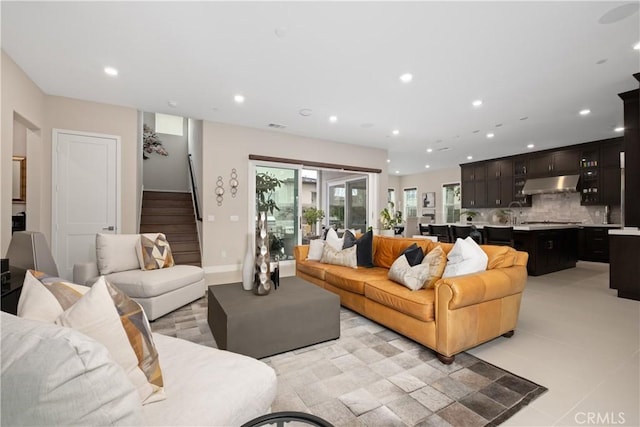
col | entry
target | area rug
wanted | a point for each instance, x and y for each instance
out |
(372, 376)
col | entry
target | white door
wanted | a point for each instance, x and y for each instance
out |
(85, 195)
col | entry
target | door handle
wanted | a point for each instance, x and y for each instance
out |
(110, 228)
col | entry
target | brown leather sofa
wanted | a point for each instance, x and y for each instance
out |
(457, 314)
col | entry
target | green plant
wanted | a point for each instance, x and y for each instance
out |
(312, 215)
(503, 215)
(266, 186)
(469, 214)
(390, 218)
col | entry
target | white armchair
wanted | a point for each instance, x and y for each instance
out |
(157, 291)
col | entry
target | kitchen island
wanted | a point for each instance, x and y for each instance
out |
(550, 247)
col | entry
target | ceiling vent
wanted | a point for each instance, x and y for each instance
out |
(276, 126)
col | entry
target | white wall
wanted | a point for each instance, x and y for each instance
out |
(167, 173)
(429, 182)
(228, 146)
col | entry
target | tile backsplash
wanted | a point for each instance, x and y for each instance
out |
(556, 207)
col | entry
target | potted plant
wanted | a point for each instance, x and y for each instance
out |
(389, 218)
(312, 215)
(469, 214)
(266, 186)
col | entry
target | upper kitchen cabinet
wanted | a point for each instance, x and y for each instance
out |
(610, 172)
(474, 185)
(554, 163)
(499, 183)
(520, 164)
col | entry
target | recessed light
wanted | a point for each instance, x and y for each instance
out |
(406, 77)
(530, 145)
(427, 166)
(469, 157)
(619, 129)
(238, 98)
(585, 112)
(524, 118)
(281, 32)
(388, 160)
(429, 150)
(636, 46)
(305, 112)
(397, 171)
(111, 71)
(333, 119)
(395, 132)
(172, 104)
(477, 103)
(601, 61)
(490, 135)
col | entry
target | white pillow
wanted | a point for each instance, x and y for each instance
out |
(315, 249)
(333, 240)
(118, 252)
(466, 257)
(108, 316)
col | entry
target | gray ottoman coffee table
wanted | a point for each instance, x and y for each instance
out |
(297, 314)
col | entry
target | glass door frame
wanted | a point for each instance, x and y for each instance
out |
(371, 197)
(251, 188)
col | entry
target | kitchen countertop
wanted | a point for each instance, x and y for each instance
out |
(535, 227)
(626, 232)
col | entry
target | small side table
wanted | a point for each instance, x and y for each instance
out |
(12, 289)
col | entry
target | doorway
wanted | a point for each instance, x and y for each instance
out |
(85, 195)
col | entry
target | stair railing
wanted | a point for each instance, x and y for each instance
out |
(194, 188)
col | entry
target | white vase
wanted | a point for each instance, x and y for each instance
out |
(248, 264)
(389, 233)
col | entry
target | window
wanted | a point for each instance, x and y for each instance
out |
(451, 205)
(391, 196)
(410, 203)
(168, 124)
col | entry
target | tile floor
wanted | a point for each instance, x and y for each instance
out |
(574, 337)
(580, 341)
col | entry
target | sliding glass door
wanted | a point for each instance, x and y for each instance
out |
(348, 203)
(278, 187)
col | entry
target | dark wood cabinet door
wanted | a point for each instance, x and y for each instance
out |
(610, 186)
(480, 172)
(610, 153)
(480, 194)
(565, 162)
(468, 194)
(466, 172)
(499, 192)
(499, 169)
(540, 165)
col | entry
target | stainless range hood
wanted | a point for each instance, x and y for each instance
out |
(554, 184)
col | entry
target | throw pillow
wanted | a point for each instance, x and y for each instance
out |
(154, 255)
(110, 317)
(333, 240)
(346, 257)
(466, 257)
(411, 277)
(315, 249)
(364, 253)
(45, 297)
(414, 254)
(436, 259)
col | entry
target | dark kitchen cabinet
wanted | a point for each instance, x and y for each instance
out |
(624, 268)
(593, 243)
(610, 172)
(554, 163)
(474, 185)
(520, 165)
(499, 183)
(549, 250)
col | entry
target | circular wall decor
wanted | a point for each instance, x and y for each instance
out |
(219, 190)
(233, 182)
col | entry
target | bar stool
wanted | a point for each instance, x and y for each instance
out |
(424, 229)
(441, 231)
(460, 231)
(499, 236)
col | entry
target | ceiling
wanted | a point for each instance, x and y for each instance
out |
(534, 65)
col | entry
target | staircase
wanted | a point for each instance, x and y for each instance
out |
(172, 214)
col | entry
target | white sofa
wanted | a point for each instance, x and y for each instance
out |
(52, 375)
(158, 291)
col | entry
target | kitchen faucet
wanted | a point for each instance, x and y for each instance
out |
(513, 219)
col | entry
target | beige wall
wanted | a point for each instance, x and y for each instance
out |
(40, 114)
(427, 182)
(21, 97)
(167, 173)
(226, 147)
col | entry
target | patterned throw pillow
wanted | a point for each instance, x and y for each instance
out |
(346, 257)
(110, 317)
(423, 275)
(154, 255)
(45, 297)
